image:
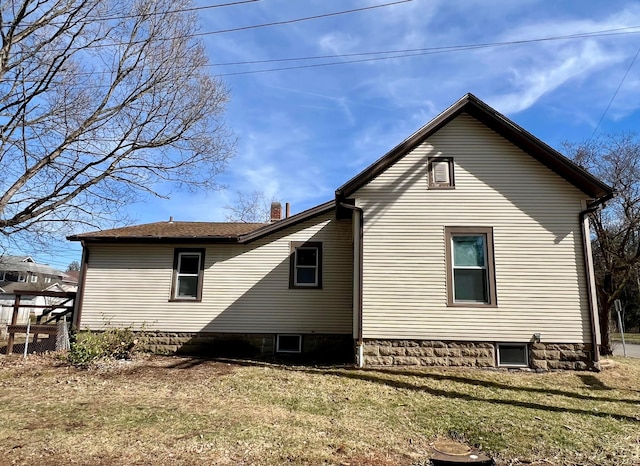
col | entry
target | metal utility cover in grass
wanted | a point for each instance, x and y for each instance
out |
(451, 453)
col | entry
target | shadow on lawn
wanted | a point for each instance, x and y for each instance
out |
(590, 380)
(388, 377)
(379, 376)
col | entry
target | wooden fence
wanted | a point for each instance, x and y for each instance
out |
(46, 322)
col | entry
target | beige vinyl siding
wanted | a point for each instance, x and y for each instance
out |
(245, 290)
(540, 279)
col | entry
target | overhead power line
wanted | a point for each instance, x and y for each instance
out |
(180, 10)
(177, 10)
(393, 54)
(415, 52)
(613, 97)
(297, 20)
(223, 31)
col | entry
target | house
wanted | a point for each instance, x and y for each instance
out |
(465, 245)
(25, 274)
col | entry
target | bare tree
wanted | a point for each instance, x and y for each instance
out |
(616, 228)
(74, 266)
(250, 208)
(101, 103)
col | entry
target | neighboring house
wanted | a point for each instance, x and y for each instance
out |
(25, 274)
(467, 244)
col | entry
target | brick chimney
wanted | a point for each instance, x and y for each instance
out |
(276, 211)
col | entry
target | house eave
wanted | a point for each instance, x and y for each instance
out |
(155, 239)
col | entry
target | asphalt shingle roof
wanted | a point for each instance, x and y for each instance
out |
(178, 230)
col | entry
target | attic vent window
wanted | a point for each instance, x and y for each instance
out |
(440, 174)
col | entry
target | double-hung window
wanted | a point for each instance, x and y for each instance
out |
(188, 270)
(470, 267)
(305, 265)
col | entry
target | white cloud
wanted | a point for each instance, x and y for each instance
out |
(537, 76)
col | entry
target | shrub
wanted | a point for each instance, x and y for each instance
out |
(89, 347)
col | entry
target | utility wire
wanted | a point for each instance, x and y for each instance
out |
(442, 49)
(297, 20)
(223, 31)
(614, 94)
(123, 16)
(392, 54)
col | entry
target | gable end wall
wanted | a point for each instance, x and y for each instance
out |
(540, 280)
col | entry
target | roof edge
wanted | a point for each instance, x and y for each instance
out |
(287, 222)
(243, 239)
(497, 122)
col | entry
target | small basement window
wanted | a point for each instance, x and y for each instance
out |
(289, 344)
(513, 355)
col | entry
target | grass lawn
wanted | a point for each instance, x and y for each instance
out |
(181, 411)
(628, 338)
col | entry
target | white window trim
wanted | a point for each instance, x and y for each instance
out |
(22, 278)
(526, 355)
(315, 267)
(278, 350)
(470, 267)
(34, 279)
(179, 275)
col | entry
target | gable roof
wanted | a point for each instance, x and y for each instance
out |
(199, 232)
(10, 263)
(506, 128)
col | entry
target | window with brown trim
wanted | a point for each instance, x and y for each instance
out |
(440, 173)
(305, 265)
(470, 266)
(188, 272)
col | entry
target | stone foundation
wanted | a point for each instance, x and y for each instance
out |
(567, 356)
(315, 347)
(542, 356)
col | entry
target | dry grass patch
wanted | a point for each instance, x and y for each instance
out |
(158, 410)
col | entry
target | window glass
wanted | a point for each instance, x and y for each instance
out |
(307, 256)
(468, 251)
(470, 272)
(188, 286)
(512, 355)
(189, 263)
(307, 275)
(11, 276)
(470, 285)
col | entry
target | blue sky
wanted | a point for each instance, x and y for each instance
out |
(303, 132)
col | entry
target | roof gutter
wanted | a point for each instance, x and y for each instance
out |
(358, 297)
(589, 272)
